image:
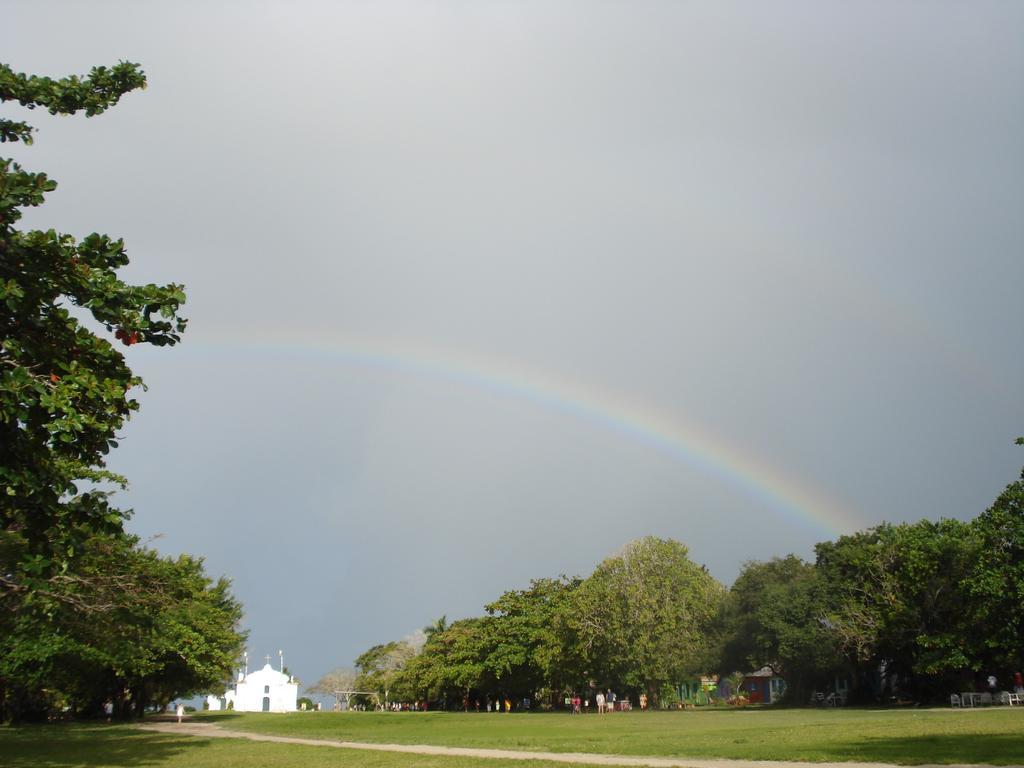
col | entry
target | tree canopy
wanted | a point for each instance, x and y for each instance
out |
(643, 616)
(638, 623)
(995, 585)
(894, 611)
(132, 627)
(65, 388)
(771, 618)
(86, 614)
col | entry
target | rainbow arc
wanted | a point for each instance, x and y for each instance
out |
(662, 431)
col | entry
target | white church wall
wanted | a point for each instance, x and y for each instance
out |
(265, 690)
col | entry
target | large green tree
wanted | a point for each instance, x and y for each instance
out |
(129, 626)
(86, 615)
(895, 604)
(533, 649)
(644, 615)
(450, 666)
(995, 585)
(65, 388)
(379, 668)
(772, 617)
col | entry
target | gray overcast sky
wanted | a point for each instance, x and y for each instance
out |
(479, 291)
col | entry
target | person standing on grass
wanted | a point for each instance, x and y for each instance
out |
(180, 712)
(600, 703)
(643, 702)
(1018, 683)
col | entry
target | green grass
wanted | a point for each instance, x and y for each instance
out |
(891, 736)
(97, 746)
(903, 736)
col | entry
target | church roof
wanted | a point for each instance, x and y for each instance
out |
(266, 675)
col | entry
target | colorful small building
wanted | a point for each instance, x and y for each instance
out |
(763, 686)
(699, 691)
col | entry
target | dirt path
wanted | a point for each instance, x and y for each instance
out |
(210, 730)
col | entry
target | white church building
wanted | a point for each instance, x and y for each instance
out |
(265, 690)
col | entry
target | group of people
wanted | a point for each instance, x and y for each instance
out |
(606, 702)
(403, 706)
(498, 705)
(1018, 683)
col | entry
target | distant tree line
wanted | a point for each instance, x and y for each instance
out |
(637, 620)
(899, 612)
(903, 612)
(89, 619)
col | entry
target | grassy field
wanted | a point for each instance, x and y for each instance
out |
(97, 746)
(890, 736)
(906, 737)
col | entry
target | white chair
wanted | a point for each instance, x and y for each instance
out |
(954, 700)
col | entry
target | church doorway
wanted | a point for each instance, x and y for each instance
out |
(266, 703)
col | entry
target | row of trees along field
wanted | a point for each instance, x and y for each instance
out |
(87, 615)
(910, 611)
